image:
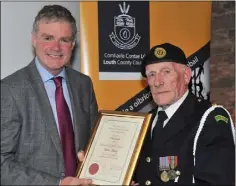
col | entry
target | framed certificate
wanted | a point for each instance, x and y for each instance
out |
(114, 147)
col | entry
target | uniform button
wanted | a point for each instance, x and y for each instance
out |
(178, 173)
(148, 159)
(147, 182)
(62, 174)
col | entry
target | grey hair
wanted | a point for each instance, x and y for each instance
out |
(55, 13)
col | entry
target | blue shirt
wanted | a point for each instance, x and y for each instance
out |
(51, 88)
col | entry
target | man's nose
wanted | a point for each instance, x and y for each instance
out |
(158, 81)
(57, 46)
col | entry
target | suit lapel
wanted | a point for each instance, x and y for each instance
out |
(179, 120)
(45, 107)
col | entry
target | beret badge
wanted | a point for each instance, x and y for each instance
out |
(160, 52)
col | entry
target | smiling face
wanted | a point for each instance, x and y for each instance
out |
(53, 43)
(168, 81)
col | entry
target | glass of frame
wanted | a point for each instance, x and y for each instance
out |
(114, 147)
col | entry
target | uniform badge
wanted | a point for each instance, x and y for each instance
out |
(221, 118)
(160, 52)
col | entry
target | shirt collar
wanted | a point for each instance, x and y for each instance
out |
(45, 74)
(172, 108)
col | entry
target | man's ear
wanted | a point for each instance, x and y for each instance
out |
(73, 44)
(33, 39)
(187, 75)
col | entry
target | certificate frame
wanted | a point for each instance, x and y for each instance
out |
(127, 131)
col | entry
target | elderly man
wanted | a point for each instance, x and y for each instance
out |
(189, 140)
(48, 109)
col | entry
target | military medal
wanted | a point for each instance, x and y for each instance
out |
(172, 174)
(164, 166)
(173, 163)
(164, 176)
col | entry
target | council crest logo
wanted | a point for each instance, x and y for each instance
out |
(124, 35)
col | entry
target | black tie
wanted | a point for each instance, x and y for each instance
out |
(159, 125)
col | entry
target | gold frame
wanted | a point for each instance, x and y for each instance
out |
(138, 144)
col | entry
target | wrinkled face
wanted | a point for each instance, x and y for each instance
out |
(168, 81)
(53, 44)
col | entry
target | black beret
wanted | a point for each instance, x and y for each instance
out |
(163, 53)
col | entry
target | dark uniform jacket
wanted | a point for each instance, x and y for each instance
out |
(215, 150)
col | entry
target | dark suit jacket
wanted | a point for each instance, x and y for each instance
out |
(31, 151)
(215, 152)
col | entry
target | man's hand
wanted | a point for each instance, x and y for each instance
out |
(80, 155)
(133, 183)
(75, 181)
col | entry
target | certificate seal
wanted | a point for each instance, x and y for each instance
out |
(93, 168)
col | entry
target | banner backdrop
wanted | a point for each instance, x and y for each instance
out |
(116, 35)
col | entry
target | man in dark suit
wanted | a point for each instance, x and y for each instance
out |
(48, 109)
(189, 140)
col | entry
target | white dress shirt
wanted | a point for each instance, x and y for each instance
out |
(170, 110)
